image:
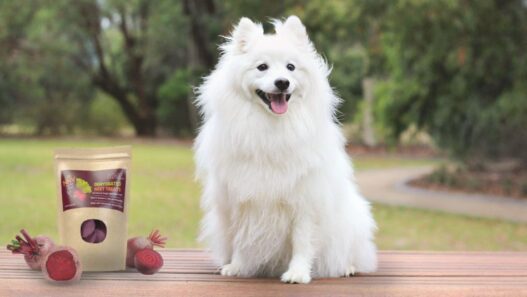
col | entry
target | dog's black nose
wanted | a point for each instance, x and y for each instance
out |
(282, 84)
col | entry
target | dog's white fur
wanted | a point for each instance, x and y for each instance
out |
(279, 192)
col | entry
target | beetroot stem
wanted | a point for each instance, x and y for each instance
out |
(31, 241)
(20, 239)
(156, 238)
(21, 246)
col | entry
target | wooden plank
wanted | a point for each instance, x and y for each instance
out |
(192, 273)
(390, 263)
(422, 286)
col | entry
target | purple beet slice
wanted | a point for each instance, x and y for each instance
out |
(91, 238)
(99, 235)
(93, 231)
(87, 228)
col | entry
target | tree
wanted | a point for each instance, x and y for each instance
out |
(37, 86)
(128, 49)
(144, 55)
(11, 35)
(207, 21)
(349, 33)
(200, 56)
(458, 70)
(126, 83)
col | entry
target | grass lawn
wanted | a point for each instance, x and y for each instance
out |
(165, 196)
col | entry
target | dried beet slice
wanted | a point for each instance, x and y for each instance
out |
(93, 231)
(99, 235)
(91, 238)
(87, 228)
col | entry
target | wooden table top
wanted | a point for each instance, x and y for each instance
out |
(190, 272)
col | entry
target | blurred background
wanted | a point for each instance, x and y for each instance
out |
(434, 93)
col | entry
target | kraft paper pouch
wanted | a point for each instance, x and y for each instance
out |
(92, 192)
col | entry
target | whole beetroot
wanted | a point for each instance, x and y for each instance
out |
(33, 249)
(138, 243)
(62, 265)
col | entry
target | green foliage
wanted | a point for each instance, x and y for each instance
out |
(173, 112)
(11, 31)
(103, 117)
(458, 71)
(348, 34)
(48, 90)
(349, 69)
(261, 11)
(331, 26)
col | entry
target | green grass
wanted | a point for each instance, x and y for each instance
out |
(403, 228)
(163, 192)
(165, 196)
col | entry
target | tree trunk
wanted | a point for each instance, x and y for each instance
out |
(145, 127)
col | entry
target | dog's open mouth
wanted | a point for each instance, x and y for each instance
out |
(277, 102)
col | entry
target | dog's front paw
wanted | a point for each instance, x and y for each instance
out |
(296, 275)
(230, 270)
(350, 271)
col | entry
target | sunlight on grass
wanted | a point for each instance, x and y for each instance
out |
(165, 196)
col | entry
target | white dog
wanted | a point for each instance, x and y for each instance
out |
(279, 193)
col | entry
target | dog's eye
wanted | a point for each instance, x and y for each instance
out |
(262, 67)
(290, 67)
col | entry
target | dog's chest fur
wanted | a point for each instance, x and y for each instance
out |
(264, 166)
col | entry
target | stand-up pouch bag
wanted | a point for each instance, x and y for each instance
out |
(92, 191)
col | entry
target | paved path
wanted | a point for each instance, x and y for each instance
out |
(388, 186)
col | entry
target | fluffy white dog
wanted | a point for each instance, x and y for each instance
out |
(279, 193)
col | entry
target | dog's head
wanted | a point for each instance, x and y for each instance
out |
(271, 69)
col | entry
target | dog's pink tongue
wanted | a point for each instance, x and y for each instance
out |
(278, 103)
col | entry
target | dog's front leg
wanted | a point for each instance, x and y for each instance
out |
(299, 270)
(233, 268)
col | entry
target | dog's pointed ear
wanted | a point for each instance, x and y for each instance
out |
(294, 27)
(245, 32)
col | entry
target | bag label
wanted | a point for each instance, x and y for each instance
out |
(99, 188)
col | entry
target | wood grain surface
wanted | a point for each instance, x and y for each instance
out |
(192, 273)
